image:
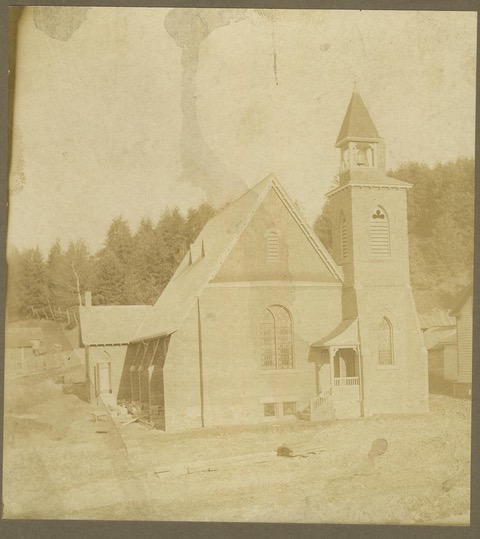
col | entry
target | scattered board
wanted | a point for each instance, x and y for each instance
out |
(216, 464)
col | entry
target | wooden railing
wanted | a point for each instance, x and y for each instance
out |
(317, 402)
(346, 381)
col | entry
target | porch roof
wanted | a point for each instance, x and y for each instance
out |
(345, 334)
(435, 338)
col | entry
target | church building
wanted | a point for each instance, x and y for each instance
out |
(261, 323)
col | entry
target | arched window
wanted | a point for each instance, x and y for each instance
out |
(277, 339)
(385, 342)
(273, 249)
(343, 238)
(268, 341)
(380, 233)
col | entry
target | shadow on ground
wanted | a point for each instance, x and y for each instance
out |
(76, 388)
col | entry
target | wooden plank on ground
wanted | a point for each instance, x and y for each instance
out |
(211, 465)
(125, 423)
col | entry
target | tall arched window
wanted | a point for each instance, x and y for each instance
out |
(268, 341)
(380, 233)
(277, 338)
(385, 342)
(273, 248)
(343, 238)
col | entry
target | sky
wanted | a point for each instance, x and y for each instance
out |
(128, 111)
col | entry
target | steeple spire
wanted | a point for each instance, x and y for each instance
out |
(357, 123)
(362, 151)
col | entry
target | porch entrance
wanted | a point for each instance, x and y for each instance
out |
(338, 373)
(345, 365)
(346, 383)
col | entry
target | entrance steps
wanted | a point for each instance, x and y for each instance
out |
(319, 409)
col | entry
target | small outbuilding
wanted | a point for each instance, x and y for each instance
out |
(463, 312)
(105, 332)
(22, 346)
(441, 344)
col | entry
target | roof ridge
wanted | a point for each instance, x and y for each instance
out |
(232, 202)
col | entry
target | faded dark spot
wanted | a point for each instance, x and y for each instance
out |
(200, 166)
(59, 22)
(379, 446)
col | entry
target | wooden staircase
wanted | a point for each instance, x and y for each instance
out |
(319, 409)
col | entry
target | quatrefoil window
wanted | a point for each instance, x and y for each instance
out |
(380, 233)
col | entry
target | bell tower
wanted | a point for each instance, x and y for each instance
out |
(370, 234)
(362, 150)
(370, 242)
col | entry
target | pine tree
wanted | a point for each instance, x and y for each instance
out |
(170, 244)
(109, 280)
(32, 273)
(57, 277)
(119, 240)
(144, 264)
(323, 226)
(80, 270)
(196, 220)
(14, 306)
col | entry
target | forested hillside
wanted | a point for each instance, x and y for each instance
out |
(134, 267)
(131, 268)
(440, 223)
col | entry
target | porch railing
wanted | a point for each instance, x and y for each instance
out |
(346, 381)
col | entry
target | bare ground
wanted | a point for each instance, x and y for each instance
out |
(59, 466)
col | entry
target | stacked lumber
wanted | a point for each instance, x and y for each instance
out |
(300, 449)
(212, 465)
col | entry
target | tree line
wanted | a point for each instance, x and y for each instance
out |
(133, 267)
(440, 227)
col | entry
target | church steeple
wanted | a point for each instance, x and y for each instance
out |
(360, 144)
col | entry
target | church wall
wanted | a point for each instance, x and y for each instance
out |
(182, 377)
(403, 386)
(297, 259)
(235, 386)
(393, 270)
(377, 287)
(360, 267)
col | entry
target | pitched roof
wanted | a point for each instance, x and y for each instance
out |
(357, 122)
(436, 337)
(208, 253)
(436, 318)
(22, 337)
(462, 300)
(345, 334)
(113, 324)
